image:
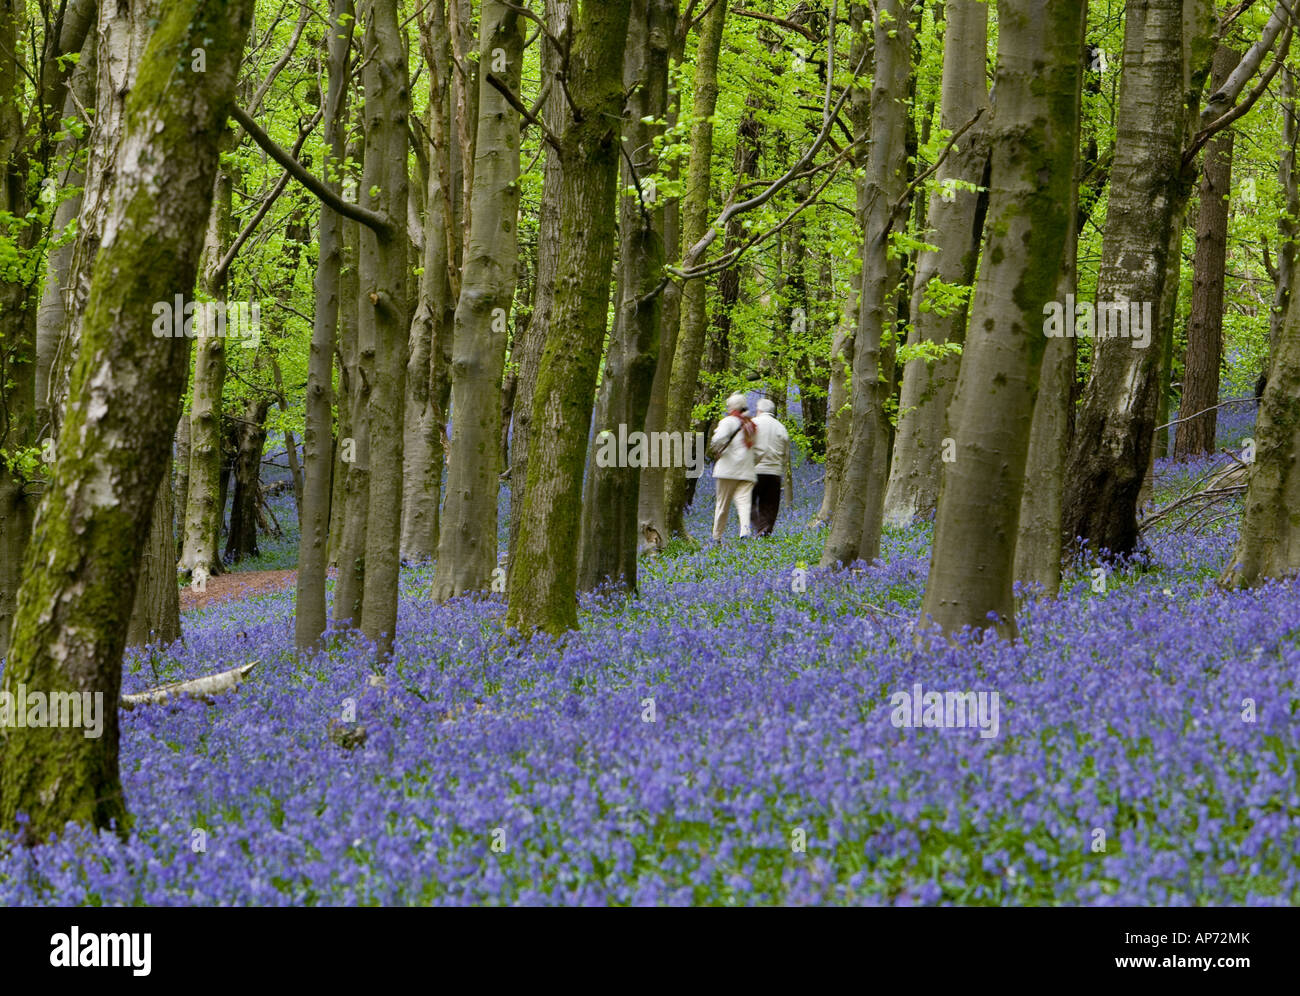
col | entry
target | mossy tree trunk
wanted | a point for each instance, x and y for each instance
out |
(83, 563)
(609, 514)
(1034, 135)
(1038, 535)
(543, 578)
(27, 131)
(467, 542)
(527, 352)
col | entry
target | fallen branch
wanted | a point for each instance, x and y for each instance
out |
(202, 688)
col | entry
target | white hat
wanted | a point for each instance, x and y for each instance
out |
(766, 406)
(737, 401)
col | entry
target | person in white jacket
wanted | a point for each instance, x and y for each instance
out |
(773, 441)
(736, 450)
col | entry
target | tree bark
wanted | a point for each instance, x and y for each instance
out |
(1038, 536)
(349, 378)
(205, 500)
(956, 222)
(1205, 323)
(609, 513)
(250, 435)
(1288, 222)
(115, 442)
(543, 578)
(24, 146)
(689, 348)
(318, 431)
(1034, 137)
(1149, 187)
(855, 531)
(428, 383)
(156, 614)
(383, 275)
(839, 433)
(1269, 544)
(527, 354)
(467, 542)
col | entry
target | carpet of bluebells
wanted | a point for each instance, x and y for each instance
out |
(1147, 751)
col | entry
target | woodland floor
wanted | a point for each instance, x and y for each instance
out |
(241, 584)
(724, 738)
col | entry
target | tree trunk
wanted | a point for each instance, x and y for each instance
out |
(250, 433)
(1038, 535)
(956, 221)
(651, 510)
(695, 221)
(1269, 545)
(428, 370)
(344, 496)
(204, 510)
(156, 614)
(1034, 137)
(609, 520)
(855, 531)
(24, 146)
(543, 578)
(527, 354)
(1116, 419)
(115, 442)
(467, 542)
(839, 434)
(52, 316)
(181, 477)
(1288, 222)
(358, 340)
(318, 431)
(1205, 323)
(839, 418)
(383, 278)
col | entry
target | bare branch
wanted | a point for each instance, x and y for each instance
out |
(513, 100)
(376, 221)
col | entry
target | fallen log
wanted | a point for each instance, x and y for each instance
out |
(201, 688)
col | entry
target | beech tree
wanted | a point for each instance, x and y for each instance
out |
(543, 578)
(73, 609)
(467, 546)
(1033, 134)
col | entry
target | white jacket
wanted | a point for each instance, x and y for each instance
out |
(738, 461)
(773, 439)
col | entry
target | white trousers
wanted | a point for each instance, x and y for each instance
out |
(731, 490)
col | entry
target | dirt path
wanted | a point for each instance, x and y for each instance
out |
(225, 587)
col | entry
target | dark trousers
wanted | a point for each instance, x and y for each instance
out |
(766, 505)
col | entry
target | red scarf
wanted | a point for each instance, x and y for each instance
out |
(747, 424)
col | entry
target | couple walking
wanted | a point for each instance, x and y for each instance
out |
(751, 455)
